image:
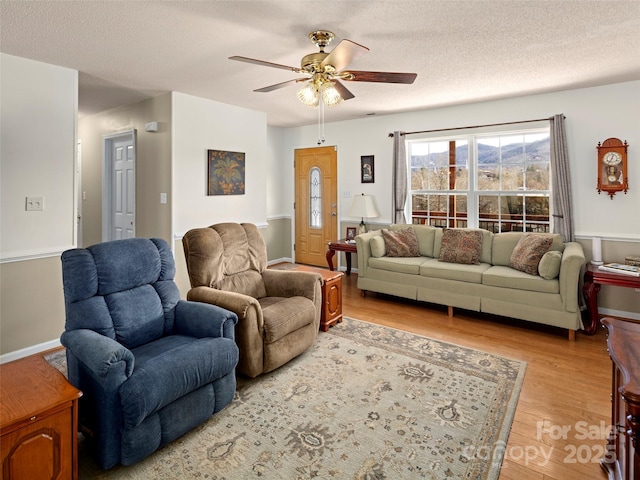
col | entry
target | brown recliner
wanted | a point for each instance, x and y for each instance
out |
(278, 310)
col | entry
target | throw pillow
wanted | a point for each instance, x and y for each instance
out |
(549, 266)
(377, 247)
(461, 246)
(528, 252)
(401, 243)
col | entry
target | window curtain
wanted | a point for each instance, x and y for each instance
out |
(561, 180)
(400, 187)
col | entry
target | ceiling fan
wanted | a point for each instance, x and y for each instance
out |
(324, 72)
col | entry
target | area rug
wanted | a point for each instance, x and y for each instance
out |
(365, 402)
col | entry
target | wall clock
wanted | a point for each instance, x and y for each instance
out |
(612, 166)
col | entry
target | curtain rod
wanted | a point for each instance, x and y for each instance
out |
(473, 126)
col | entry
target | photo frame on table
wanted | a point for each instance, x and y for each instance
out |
(367, 171)
(351, 233)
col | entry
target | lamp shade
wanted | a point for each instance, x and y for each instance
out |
(363, 207)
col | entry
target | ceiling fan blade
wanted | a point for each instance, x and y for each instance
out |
(271, 88)
(384, 77)
(343, 91)
(265, 64)
(343, 54)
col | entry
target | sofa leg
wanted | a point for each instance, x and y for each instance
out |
(450, 311)
(572, 335)
(363, 293)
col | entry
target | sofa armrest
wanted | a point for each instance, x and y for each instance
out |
(237, 303)
(102, 356)
(200, 320)
(364, 251)
(288, 283)
(569, 278)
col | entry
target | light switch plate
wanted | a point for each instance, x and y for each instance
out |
(34, 204)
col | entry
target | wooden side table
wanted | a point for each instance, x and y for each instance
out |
(593, 278)
(341, 246)
(622, 458)
(331, 295)
(38, 421)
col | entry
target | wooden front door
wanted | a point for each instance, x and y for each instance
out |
(316, 204)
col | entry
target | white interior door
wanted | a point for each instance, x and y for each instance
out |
(119, 199)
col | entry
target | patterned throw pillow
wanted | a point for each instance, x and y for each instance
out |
(401, 243)
(528, 252)
(461, 246)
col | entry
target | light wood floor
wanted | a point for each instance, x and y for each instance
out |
(562, 418)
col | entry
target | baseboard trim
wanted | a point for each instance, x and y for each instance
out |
(619, 313)
(25, 352)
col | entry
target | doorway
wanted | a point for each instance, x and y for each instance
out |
(119, 186)
(316, 207)
(79, 195)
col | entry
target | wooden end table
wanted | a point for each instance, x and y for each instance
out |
(593, 279)
(38, 421)
(341, 246)
(331, 295)
(622, 458)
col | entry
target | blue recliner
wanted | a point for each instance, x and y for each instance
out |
(151, 366)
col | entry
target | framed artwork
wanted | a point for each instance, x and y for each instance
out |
(367, 172)
(351, 233)
(225, 172)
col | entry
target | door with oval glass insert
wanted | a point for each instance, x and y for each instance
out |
(316, 209)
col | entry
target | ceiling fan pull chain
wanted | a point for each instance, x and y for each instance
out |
(320, 122)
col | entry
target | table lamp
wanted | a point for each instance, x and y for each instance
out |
(363, 207)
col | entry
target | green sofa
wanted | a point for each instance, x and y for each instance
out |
(491, 286)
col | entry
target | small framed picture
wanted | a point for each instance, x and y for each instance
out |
(351, 233)
(367, 172)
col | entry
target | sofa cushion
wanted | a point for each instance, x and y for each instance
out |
(487, 243)
(248, 283)
(461, 246)
(401, 243)
(173, 368)
(426, 235)
(470, 273)
(504, 243)
(377, 247)
(409, 265)
(549, 266)
(528, 252)
(510, 279)
(285, 315)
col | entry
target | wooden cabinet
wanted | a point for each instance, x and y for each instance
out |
(622, 461)
(38, 422)
(331, 300)
(331, 294)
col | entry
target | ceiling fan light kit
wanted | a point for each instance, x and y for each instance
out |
(324, 72)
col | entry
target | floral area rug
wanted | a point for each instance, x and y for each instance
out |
(365, 402)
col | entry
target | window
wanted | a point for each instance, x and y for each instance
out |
(315, 198)
(496, 181)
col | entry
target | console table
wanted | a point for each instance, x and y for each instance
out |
(593, 279)
(622, 458)
(341, 246)
(38, 421)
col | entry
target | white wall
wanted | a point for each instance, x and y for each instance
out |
(38, 123)
(37, 154)
(277, 188)
(592, 116)
(200, 125)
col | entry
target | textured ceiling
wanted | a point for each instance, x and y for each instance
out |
(462, 51)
